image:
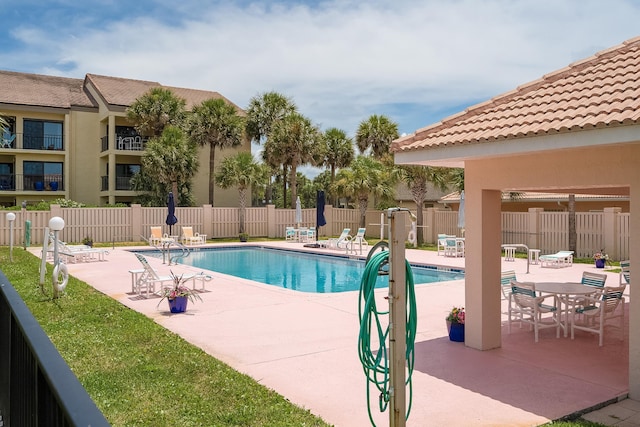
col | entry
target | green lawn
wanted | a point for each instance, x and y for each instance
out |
(136, 371)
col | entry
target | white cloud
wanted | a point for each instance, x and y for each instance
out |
(342, 61)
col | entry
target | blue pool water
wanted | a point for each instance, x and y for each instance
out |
(299, 271)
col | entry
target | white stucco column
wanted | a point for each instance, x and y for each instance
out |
(634, 306)
(482, 267)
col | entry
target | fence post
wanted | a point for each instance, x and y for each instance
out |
(207, 221)
(534, 228)
(610, 232)
(136, 223)
(328, 216)
(271, 221)
(430, 226)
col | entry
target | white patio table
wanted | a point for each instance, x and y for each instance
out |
(564, 290)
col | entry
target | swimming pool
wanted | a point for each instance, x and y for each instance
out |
(299, 271)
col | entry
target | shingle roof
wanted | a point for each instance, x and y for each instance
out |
(600, 91)
(124, 92)
(43, 91)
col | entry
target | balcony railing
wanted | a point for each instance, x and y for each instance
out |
(32, 142)
(20, 182)
(37, 387)
(122, 183)
(125, 142)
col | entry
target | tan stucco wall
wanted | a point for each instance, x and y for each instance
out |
(84, 163)
(574, 170)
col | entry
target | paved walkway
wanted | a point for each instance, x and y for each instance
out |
(304, 346)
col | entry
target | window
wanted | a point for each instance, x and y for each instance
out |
(124, 173)
(41, 175)
(6, 176)
(42, 135)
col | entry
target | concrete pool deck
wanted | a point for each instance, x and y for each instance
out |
(305, 347)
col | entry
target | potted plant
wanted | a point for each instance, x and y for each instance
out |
(600, 258)
(243, 237)
(178, 295)
(455, 324)
(88, 241)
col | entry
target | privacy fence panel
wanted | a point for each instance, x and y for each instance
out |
(225, 223)
(515, 228)
(624, 235)
(554, 232)
(447, 223)
(98, 224)
(590, 233)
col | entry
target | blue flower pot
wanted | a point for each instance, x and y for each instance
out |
(456, 333)
(178, 304)
(600, 263)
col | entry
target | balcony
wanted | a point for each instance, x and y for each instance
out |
(123, 183)
(17, 141)
(125, 142)
(19, 182)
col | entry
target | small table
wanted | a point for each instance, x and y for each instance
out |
(564, 290)
(509, 253)
(534, 254)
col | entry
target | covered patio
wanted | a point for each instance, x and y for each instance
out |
(575, 131)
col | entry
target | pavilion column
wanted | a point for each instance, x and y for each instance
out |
(634, 305)
(482, 267)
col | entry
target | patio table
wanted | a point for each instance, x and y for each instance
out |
(564, 290)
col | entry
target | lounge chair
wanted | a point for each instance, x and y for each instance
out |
(76, 253)
(338, 242)
(191, 238)
(157, 238)
(597, 310)
(357, 240)
(147, 278)
(557, 260)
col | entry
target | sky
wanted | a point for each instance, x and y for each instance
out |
(339, 61)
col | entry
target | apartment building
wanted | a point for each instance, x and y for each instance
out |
(70, 138)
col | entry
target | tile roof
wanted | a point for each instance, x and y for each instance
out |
(600, 91)
(43, 91)
(541, 197)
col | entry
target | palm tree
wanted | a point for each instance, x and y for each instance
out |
(243, 172)
(294, 141)
(337, 152)
(377, 133)
(416, 178)
(366, 176)
(217, 124)
(155, 110)
(169, 162)
(262, 113)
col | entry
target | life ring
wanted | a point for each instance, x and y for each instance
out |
(60, 270)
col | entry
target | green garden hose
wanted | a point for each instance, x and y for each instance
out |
(375, 361)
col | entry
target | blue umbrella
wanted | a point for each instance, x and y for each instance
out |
(320, 220)
(171, 217)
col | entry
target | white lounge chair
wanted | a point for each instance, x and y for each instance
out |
(76, 253)
(147, 278)
(157, 238)
(191, 238)
(336, 243)
(357, 240)
(557, 260)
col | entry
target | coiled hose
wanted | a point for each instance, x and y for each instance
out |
(375, 360)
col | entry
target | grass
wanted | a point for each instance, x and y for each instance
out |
(137, 372)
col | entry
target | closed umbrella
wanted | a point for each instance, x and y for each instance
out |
(298, 212)
(171, 216)
(461, 212)
(320, 219)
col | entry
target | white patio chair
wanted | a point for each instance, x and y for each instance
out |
(191, 238)
(526, 307)
(625, 272)
(148, 278)
(597, 310)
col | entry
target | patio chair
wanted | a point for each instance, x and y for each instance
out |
(557, 260)
(303, 234)
(290, 234)
(358, 239)
(505, 285)
(595, 280)
(625, 272)
(311, 234)
(526, 307)
(191, 238)
(148, 277)
(454, 247)
(442, 242)
(597, 310)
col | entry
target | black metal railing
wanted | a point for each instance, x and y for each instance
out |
(122, 183)
(20, 182)
(37, 387)
(32, 142)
